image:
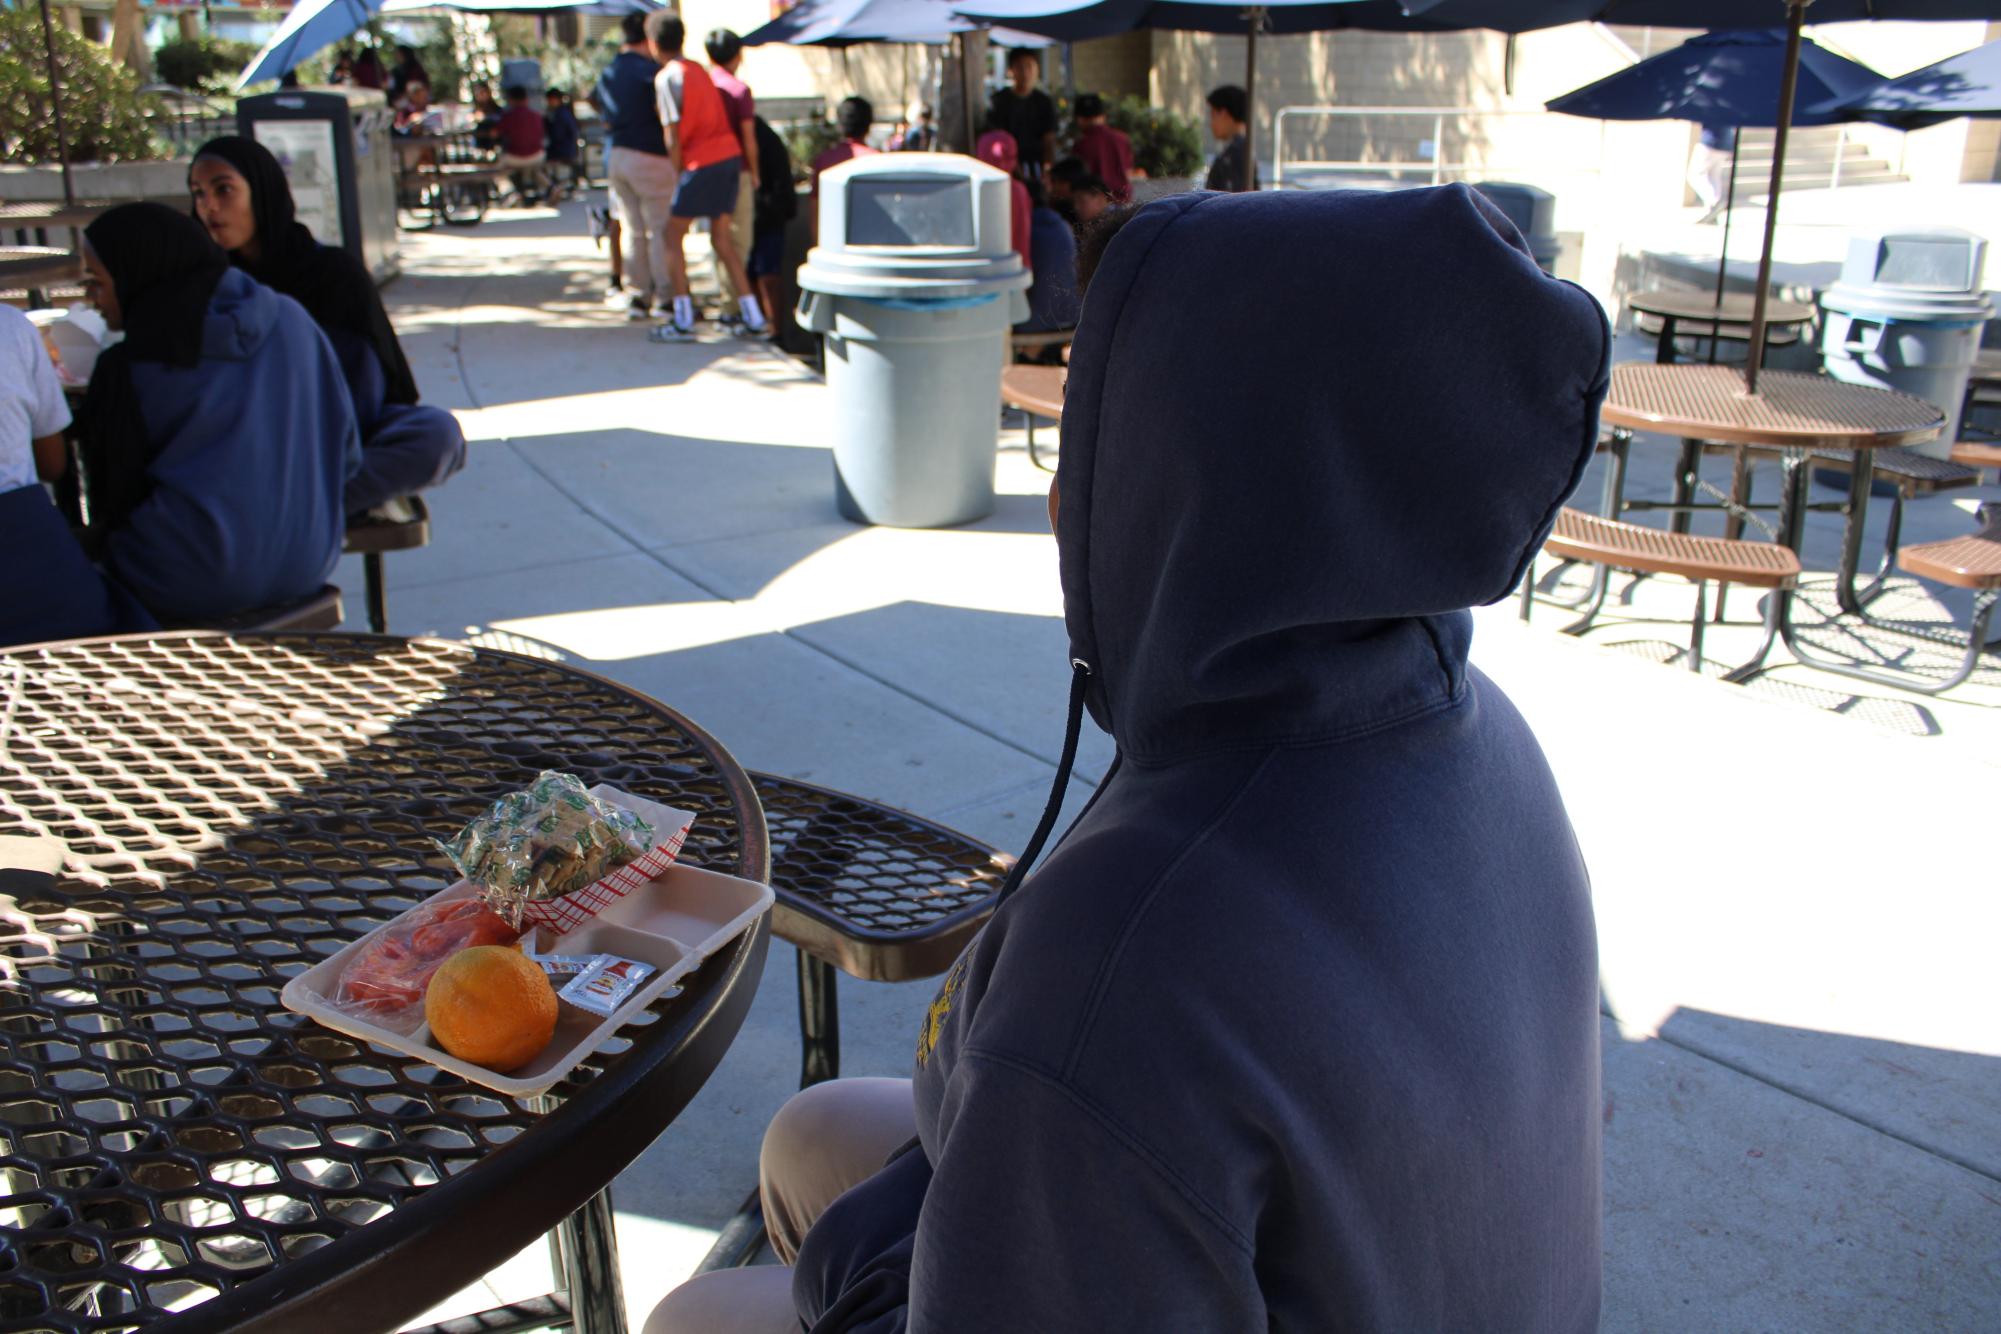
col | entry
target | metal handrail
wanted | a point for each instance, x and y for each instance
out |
(1438, 167)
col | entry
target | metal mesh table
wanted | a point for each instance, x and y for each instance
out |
(234, 810)
(1797, 415)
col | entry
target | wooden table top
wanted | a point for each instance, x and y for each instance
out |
(1791, 408)
(1036, 389)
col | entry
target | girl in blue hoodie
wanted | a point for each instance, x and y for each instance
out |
(217, 437)
(1297, 1028)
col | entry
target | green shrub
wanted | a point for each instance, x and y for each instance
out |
(807, 139)
(205, 65)
(1164, 144)
(103, 112)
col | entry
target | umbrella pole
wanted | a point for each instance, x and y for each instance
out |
(1256, 15)
(1729, 198)
(1788, 87)
(56, 103)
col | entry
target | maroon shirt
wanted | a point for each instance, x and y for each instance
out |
(521, 132)
(1109, 155)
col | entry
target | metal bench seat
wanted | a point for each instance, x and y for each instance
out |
(402, 525)
(1589, 539)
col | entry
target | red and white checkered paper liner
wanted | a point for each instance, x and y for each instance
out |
(572, 910)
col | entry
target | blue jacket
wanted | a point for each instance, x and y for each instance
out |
(1052, 250)
(626, 100)
(254, 445)
(1297, 1029)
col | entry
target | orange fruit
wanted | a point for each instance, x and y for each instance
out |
(492, 1006)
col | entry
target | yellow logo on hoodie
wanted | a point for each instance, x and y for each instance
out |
(941, 1005)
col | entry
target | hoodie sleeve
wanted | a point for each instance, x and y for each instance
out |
(1045, 1214)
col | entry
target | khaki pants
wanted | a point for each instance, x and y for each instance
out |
(824, 1140)
(740, 228)
(642, 186)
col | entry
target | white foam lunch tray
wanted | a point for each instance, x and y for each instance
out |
(673, 922)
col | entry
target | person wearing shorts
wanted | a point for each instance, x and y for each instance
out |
(707, 159)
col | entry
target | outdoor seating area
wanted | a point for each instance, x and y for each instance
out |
(542, 788)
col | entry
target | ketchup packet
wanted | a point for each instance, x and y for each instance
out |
(606, 984)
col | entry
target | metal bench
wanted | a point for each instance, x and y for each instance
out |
(1977, 454)
(1038, 392)
(1588, 539)
(1971, 561)
(371, 534)
(316, 611)
(878, 893)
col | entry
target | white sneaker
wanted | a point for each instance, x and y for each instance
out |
(670, 333)
(739, 327)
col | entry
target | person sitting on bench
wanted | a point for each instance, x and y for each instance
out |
(217, 438)
(242, 197)
(1298, 1027)
(53, 591)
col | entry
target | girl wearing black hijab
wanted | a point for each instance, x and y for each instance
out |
(218, 436)
(242, 197)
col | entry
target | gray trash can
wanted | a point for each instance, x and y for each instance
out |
(1908, 314)
(1533, 212)
(914, 284)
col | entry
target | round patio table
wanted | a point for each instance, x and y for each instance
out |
(1793, 413)
(1703, 310)
(181, 1152)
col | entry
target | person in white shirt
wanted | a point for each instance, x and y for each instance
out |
(33, 415)
(53, 591)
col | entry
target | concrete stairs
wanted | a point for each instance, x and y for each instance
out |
(1816, 157)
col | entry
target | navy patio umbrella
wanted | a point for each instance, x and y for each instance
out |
(1722, 79)
(1528, 15)
(839, 23)
(1968, 84)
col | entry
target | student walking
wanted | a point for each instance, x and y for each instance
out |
(707, 161)
(642, 177)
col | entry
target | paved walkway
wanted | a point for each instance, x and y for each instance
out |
(1796, 904)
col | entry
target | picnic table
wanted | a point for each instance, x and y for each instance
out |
(34, 268)
(449, 177)
(176, 1144)
(1797, 415)
(1715, 319)
(54, 215)
(1038, 392)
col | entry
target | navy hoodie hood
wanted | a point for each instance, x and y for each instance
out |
(1376, 409)
(1297, 1027)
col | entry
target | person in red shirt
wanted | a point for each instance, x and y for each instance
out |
(853, 117)
(707, 158)
(1106, 151)
(997, 149)
(523, 142)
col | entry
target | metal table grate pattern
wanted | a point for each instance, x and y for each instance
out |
(235, 810)
(883, 894)
(1790, 408)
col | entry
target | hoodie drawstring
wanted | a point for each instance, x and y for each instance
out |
(1080, 678)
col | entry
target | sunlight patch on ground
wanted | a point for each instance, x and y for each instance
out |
(1010, 573)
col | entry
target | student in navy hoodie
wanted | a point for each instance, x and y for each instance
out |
(1297, 1028)
(218, 436)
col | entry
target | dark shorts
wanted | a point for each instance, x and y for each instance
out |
(767, 253)
(707, 192)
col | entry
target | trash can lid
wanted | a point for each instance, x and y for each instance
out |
(1926, 259)
(1914, 305)
(914, 226)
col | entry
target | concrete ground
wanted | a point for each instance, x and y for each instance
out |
(1794, 880)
